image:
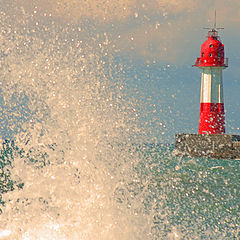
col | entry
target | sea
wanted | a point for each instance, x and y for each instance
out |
(78, 163)
(146, 193)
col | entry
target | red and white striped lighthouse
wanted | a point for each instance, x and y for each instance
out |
(211, 141)
(211, 63)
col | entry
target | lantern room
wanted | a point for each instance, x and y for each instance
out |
(212, 52)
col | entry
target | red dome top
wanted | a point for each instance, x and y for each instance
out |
(212, 52)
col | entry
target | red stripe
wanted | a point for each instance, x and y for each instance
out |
(212, 118)
(211, 107)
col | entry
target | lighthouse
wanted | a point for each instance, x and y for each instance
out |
(212, 62)
(211, 140)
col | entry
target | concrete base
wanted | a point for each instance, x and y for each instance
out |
(223, 146)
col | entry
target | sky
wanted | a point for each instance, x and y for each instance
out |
(157, 41)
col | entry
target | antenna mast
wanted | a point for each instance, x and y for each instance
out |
(214, 30)
(215, 20)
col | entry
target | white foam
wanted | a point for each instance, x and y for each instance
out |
(4, 233)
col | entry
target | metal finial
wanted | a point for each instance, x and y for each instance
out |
(214, 28)
(215, 20)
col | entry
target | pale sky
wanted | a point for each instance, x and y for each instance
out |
(153, 29)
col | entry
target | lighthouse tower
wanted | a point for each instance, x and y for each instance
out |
(211, 63)
(211, 141)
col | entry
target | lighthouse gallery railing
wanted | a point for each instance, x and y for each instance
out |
(198, 62)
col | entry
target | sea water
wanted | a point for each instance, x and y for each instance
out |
(74, 162)
(161, 197)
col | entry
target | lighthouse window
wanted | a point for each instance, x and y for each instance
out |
(210, 54)
(202, 54)
(211, 46)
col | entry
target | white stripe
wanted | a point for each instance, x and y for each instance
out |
(211, 85)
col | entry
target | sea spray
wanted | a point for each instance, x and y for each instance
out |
(75, 142)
